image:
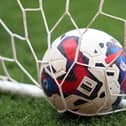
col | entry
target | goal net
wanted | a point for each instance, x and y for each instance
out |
(30, 27)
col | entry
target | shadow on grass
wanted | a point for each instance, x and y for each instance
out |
(115, 119)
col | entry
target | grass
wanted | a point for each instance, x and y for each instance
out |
(22, 111)
(18, 110)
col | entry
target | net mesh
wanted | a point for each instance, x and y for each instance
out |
(14, 36)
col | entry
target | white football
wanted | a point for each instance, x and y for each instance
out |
(84, 72)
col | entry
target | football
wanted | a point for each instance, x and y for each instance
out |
(84, 72)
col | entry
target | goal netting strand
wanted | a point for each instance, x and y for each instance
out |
(10, 83)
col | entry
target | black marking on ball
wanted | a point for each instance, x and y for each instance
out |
(99, 65)
(95, 51)
(75, 109)
(101, 45)
(79, 102)
(85, 59)
(51, 67)
(110, 73)
(102, 95)
(115, 105)
(84, 86)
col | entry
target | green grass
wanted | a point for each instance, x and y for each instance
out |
(22, 111)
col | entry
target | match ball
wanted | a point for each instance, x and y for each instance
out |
(84, 72)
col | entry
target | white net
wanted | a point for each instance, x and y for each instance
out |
(49, 31)
(12, 66)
